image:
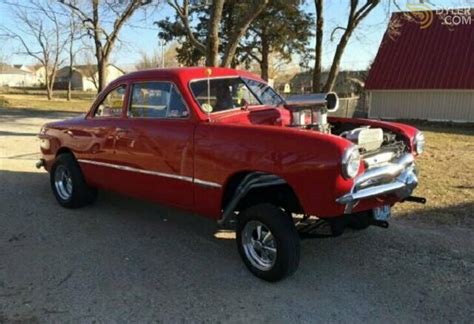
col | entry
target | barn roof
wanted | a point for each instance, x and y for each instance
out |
(434, 57)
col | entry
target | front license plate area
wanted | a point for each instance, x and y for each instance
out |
(382, 213)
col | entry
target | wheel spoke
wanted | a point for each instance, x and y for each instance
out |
(269, 248)
(259, 232)
(267, 237)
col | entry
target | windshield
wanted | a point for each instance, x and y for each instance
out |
(264, 93)
(229, 93)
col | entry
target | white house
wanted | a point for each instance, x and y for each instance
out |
(85, 77)
(14, 77)
(37, 70)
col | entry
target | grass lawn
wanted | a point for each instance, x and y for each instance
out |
(42, 103)
(446, 176)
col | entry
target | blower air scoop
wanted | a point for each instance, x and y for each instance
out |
(329, 101)
(311, 110)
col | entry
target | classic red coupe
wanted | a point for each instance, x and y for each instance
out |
(222, 143)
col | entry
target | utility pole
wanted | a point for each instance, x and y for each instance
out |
(162, 44)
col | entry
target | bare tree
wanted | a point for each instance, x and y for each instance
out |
(357, 12)
(43, 26)
(148, 61)
(319, 5)
(75, 34)
(210, 48)
(92, 14)
(158, 57)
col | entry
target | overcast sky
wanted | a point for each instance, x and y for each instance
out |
(359, 54)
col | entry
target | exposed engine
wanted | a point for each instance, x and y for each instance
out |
(367, 139)
(376, 145)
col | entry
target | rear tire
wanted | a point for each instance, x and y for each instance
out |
(68, 184)
(268, 242)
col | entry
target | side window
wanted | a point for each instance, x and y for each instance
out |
(156, 100)
(112, 104)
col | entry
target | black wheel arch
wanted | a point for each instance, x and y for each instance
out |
(64, 150)
(264, 188)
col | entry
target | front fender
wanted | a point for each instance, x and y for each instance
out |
(308, 161)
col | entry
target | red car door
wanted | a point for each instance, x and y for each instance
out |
(96, 151)
(155, 145)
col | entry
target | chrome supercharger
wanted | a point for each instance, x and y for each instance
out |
(310, 111)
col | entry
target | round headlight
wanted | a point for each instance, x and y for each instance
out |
(419, 142)
(350, 162)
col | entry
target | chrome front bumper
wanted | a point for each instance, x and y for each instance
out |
(398, 177)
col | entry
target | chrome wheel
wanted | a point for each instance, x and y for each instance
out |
(63, 182)
(259, 245)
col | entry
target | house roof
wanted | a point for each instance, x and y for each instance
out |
(8, 69)
(436, 57)
(85, 69)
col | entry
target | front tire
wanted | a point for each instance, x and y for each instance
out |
(68, 184)
(268, 242)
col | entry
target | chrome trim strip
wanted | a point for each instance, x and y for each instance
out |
(206, 183)
(155, 173)
(126, 168)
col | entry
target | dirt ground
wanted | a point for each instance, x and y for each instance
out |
(125, 260)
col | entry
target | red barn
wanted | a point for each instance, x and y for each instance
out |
(425, 70)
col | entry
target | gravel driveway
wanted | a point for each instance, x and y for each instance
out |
(132, 261)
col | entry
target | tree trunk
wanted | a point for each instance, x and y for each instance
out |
(319, 46)
(71, 63)
(265, 56)
(212, 55)
(47, 81)
(49, 93)
(99, 49)
(69, 88)
(102, 74)
(71, 57)
(336, 62)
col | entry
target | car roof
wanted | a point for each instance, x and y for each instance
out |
(186, 74)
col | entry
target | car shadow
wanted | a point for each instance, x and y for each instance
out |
(454, 215)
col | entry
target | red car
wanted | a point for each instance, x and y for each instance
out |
(222, 143)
